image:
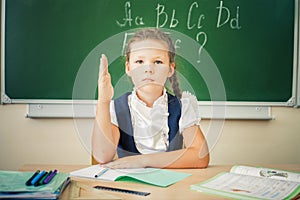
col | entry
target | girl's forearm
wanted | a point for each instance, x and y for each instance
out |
(184, 158)
(103, 141)
(196, 155)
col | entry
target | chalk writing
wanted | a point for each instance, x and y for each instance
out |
(204, 36)
(234, 22)
(161, 13)
(201, 17)
(166, 18)
(128, 18)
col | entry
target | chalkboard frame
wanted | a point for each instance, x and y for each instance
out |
(291, 102)
(297, 72)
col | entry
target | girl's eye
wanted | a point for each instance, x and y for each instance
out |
(158, 62)
(139, 61)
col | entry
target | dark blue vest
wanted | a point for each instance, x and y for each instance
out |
(126, 145)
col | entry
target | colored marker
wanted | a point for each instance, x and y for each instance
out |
(41, 182)
(50, 177)
(28, 183)
(38, 177)
(101, 172)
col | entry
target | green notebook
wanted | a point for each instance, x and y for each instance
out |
(153, 176)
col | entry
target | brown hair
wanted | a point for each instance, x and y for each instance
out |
(157, 34)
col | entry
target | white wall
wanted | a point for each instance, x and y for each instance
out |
(274, 142)
(55, 141)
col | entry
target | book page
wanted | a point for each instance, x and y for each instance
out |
(241, 185)
(266, 172)
(110, 174)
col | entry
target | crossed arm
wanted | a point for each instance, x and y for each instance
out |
(194, 155)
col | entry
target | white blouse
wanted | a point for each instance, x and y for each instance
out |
(150, 125)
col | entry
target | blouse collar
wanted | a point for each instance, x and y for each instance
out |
(162, 100)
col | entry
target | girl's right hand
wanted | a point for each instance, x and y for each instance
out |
(105, 88)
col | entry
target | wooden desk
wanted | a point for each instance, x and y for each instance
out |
(179, 190)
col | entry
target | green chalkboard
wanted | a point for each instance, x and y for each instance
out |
(238, 51)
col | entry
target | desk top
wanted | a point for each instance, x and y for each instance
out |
(179, 190)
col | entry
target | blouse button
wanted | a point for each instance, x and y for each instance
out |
(139, 146)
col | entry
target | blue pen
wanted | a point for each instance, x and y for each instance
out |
(37, 178)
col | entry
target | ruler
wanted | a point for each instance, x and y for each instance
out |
(81, 191)
(113, 189)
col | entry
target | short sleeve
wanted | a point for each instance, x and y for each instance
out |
(113, 116)
(189, 111)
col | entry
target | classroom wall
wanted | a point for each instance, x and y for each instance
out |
(55, 141)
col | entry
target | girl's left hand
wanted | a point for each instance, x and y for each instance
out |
(126, 162)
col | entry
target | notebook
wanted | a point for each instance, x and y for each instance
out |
(12, 186)
(153, 176)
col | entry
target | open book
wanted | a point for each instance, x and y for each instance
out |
(153, 176)
(245, 182)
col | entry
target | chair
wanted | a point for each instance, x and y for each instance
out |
(94, 161)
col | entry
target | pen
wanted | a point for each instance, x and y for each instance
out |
(28, 183)
(38, 177)
(101, 172)
(50, 177)
(41, 182)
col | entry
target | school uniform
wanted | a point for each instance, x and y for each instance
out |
(145, 130)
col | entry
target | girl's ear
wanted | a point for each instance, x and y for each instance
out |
(172, 68)
(127, 68)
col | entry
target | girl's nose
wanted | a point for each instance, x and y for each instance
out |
(149, 69)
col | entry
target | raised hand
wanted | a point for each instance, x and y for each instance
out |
(105, 88)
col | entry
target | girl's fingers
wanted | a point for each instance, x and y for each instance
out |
(103, 68)
(105, 88)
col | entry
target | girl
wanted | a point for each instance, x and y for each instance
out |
(148, 127)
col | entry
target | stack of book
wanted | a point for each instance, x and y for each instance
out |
(32, 185)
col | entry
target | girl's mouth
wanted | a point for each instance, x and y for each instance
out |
(148, 80)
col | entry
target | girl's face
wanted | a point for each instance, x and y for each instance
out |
(149, 64)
